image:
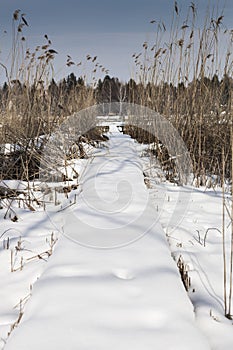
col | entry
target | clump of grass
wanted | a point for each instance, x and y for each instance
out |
(33, 104)
(185, 74)
(184, 273)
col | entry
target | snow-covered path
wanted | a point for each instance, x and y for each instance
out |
(111, 282)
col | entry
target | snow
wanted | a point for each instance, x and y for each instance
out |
(197, 237)
(20, 263)
(206, 265)
(112, 280)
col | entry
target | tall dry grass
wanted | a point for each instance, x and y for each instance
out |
(32, 104)
(185, 73)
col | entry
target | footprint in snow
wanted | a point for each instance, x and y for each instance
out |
(123, 274)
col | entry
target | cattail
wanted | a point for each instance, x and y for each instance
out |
(20, 26)
(176, 8)
(44, 47)
(51, 51)
(24, 21)
(219, 20)
(16, 15)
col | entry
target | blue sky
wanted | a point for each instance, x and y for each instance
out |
(112, 30)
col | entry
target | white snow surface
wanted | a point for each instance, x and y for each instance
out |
(111, 282)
